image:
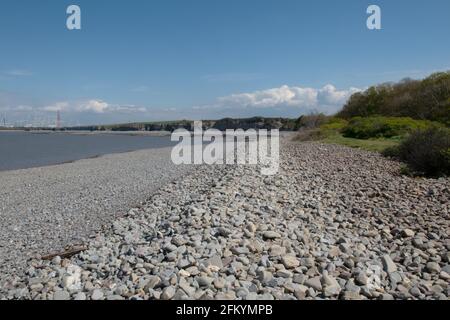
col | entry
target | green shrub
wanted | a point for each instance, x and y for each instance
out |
(383, 127)
(426, 152)
(319, 127)
(391, 152)
(334, 123)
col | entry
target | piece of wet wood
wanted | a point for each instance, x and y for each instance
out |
(66, 253)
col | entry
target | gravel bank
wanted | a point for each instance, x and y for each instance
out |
(44, 209)
(335, 223)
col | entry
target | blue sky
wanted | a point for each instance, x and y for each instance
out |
(153, 60)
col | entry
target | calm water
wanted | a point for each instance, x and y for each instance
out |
(19, 150)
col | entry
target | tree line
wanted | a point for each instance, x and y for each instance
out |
(427, 99)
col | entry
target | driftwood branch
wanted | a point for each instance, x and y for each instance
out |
(66, 254)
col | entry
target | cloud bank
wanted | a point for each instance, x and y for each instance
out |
(284, 101)
(92, 106)
(327, 99)
(16, 112)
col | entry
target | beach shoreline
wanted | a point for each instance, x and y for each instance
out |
(227, 232)
(43, 209)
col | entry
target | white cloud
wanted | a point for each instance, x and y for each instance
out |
(327, 99)
(127, 109)
(97, 106)
(24, 108)
(19, 73)
(329, 95)
(58, 106)
(19, 108)
(92, 106)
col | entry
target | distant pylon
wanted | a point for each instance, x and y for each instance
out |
(58, 119)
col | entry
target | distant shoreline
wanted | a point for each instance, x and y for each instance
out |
(282, 124)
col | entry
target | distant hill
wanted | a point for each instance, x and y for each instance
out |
(283, 124)
(427, 99)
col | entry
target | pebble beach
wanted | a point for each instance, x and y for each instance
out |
(334, 223)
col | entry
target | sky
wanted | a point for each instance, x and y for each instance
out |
(157, 60)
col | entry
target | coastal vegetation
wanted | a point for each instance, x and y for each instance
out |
(427, 99)
(426, 152)
(332, 131)
(408, 120)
